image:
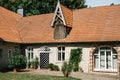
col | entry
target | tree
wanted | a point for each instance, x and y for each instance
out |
(111, 4)
(34, 7)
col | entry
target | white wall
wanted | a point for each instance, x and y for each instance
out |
(85, 59)
(53, 57)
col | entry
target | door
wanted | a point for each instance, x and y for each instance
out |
(44, 60)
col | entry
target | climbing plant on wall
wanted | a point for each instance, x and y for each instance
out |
(75, 58)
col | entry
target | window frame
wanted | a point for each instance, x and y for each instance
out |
(105, 55)
(61, 51)
(30, 53)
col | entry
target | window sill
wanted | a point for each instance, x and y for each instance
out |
(106, 70)
(60, 61)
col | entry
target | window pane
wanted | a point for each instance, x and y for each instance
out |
(31, 55)
(114, 51)
(59, 48)
(28, 56)
(96, 61)
(59, 56)
(28, 48)
(31, 49)
(63, 48)
(108, 59)
(102, 60)
(63, 56)
(114, 62)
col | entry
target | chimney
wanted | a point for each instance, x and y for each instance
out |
(20, 11)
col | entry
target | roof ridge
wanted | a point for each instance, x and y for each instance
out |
(10, 11)
(107, 6)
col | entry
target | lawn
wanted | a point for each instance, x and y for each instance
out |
(11, 76)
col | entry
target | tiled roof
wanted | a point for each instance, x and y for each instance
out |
(88, 25)
(8, 25)
(96, 24)
(36, 29)
(68, 15)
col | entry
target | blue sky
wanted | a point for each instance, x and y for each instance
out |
(94, 3)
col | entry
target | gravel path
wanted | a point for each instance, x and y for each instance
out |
(83, 76)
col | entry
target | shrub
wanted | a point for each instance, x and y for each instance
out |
(50, 66)
(75, 69)
(53, 67)
(66, 69)
(28, 64)
(56, 68)
(36, 63)
(17, 60)
(32, 64)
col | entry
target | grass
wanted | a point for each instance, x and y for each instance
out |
(11, 76)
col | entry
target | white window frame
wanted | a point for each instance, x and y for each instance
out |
(31, 51)
(61, 52)
(105, 50)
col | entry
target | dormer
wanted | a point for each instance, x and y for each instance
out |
(62, 21)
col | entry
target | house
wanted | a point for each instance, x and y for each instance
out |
(50, 37)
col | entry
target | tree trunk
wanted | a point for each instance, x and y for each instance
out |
(65, 75)
(14, 70)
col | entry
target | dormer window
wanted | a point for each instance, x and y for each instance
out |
(59, 24)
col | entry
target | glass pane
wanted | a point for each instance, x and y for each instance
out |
(108, 60)
(96, 61)
(59, 56)
(28, 56)
(59, 48)
(31, 49)
(114, 51)
(63, 48)
(114, 61)
(63, 56)
(96, 51)
(102, 60)
(28, 48)
(31, 55)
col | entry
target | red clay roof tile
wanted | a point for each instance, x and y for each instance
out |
(88, 25)
(68, 15)
(8, 25)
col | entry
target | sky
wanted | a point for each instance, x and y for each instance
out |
(94, 3)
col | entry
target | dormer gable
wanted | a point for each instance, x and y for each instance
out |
(62, 21)
(58, 15)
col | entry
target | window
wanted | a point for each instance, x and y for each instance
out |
(105, 59)
(30, 53)
(9, 53)
(61, 53)
(1, 51)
